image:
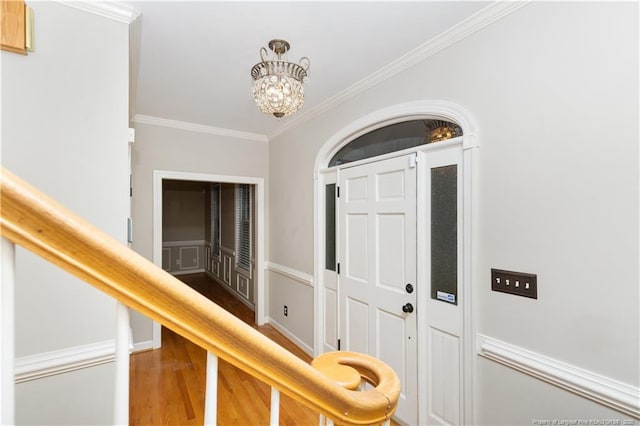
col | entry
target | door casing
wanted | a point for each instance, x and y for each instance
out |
(467, 145)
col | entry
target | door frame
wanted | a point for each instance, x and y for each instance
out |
(259, 277)
(469, 144)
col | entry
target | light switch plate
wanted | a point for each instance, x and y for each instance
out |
(518, 283)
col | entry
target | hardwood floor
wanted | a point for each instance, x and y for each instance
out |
(167, 385)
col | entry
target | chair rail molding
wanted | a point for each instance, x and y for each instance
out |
(47, 364)
(301, 277)
(595, 387)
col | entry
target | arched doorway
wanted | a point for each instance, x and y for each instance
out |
(388, 253)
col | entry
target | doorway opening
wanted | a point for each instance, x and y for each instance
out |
(234, 255)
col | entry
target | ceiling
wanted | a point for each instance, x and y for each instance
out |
(191, 61)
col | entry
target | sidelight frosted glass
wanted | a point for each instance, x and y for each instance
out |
(444, 233)
(330, 227)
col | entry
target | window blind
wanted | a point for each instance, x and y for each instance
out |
(243, 226)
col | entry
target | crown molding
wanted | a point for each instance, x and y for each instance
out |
(463, 29)
(114, 10)
(200, 128)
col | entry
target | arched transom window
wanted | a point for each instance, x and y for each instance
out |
(396, 137)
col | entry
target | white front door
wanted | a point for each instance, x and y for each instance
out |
(377, 281)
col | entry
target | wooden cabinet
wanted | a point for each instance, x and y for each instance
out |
(16, 26)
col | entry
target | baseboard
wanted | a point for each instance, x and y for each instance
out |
(595, 387)
(146, 345)
(289, 335)
(46, 364)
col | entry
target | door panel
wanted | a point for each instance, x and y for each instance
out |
(357, 336)
(390, 251)
(377, 227)
(356, 265)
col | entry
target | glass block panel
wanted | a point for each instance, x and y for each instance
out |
(444, 233)
(330, 227)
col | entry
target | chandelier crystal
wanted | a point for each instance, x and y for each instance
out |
(277, 86)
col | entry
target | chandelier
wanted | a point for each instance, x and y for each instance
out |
(277, 86)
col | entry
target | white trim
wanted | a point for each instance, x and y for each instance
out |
(463, 29)
(114, 10)
(200, 128)
(470, 191)
(289, 335)
(294, 274)
(183, 243)
(259, 278)
(47, 364)
(394, 114)
(595, 387)
(187, 271)
(227, 250)
(147, 345)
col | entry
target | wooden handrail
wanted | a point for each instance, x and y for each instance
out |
(34, 221)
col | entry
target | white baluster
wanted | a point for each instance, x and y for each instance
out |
(324, 421)
(275, 407)
(7, 351)
(123, 341)
(211, 391)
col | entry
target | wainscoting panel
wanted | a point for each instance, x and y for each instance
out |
(444, 377)
(183, 257)
(331, 316)
(207, 257)
(243, 286)
(226, 260)
(189, 257)
(215, 268)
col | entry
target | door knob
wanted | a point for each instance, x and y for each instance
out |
(409, 288)
(408, 308)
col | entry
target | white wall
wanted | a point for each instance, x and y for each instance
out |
(553, 88)
(64, 129)
(170, 149)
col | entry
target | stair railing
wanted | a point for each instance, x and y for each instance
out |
(34, 221)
